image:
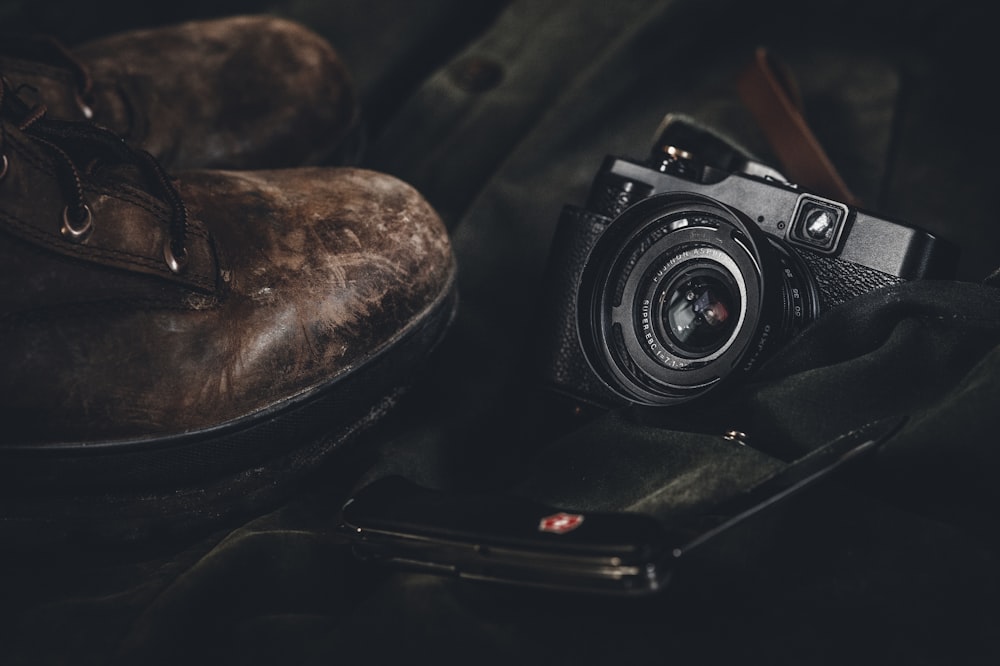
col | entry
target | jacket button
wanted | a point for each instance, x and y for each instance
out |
(476, 74)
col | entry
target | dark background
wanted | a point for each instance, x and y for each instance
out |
(500, 112)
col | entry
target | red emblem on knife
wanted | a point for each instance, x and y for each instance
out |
(560, 523)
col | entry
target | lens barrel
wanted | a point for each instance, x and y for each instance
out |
(683, 293)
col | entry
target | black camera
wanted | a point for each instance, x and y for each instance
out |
(687, 270)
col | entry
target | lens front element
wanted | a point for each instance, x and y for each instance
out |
(698, 311)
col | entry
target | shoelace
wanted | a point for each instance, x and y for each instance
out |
(71, 143)
(48, 49)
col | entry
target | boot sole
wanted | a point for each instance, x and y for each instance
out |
(132, 490)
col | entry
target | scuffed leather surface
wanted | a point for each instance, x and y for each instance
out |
(242, 92)
(318, 269)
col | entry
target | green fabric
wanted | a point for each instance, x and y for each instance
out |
(897, 563)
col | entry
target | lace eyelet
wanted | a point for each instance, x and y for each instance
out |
(77, 232)
(4, 166)
(85, 108)
(175, 263)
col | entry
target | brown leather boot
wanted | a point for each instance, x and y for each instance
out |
(193, 345)
(240, 92)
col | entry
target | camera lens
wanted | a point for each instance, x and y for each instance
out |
(681, 293)
(694, 311)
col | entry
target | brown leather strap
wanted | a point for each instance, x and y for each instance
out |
(769, 92)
